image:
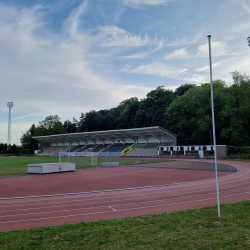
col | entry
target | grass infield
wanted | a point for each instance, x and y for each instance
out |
(18, 165)
(190, 229)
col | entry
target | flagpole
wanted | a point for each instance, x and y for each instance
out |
(214, 138)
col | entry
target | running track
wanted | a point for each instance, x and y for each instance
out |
(55, 210)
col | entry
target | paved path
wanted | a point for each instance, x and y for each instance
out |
(129, 200)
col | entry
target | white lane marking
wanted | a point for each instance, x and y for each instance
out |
(121, 210)
(189, 185)
(156, 192)
(92, 192)
(131, 203)
(68, 196)
(120, 200)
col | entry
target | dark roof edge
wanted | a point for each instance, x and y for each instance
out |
(105, 131)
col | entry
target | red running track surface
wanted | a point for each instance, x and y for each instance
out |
(198, 191)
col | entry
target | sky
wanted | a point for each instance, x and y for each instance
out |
(61, 57)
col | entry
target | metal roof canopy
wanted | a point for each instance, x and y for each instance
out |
(135, 133)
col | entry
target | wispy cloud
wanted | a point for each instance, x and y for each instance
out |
(114, 36)
(164, 70)
(205, 68)
(186, 41)
(145, 53)
(218, 49)
(137, 3)
(33, 114)
(178, 54)
(72, 22)
(247, 8)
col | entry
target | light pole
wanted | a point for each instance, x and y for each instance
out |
(21, 141)
(10, 105)
(212, 106)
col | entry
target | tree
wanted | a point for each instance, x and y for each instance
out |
(91, 121)
(189, 116)
(126, 118)
(70, 127)
(183, 89)
(248, 40)
(3, 146)
(27, 141)
(237, 111)
(51, 125)
(155, 105)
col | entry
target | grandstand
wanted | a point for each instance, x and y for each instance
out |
(110, 143)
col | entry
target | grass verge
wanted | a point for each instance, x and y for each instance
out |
(190, 229)
(18, 165)
(234, 158)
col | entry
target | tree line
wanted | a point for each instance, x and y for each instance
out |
(185, 112)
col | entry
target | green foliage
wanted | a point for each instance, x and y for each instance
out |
(3, 146)
(51, 125)
(130, 113)
(28, 151)
(239, 150)
(70, 127)
(189, 116)
(183, 89)
(185, 112)
(27, 141)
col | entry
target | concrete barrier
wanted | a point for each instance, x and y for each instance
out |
(137, 162)
(110, 164)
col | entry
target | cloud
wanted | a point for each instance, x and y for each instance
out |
(145, 53)
(45, 72)
(137, 3)
(114, 36)
(205, 68)
(246, 7)
(218, 49)
(73, 21)
(178, 54)
(186, 41)
(33, 114)
(164, 70)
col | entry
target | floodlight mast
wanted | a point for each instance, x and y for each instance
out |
(214, 138)
(10, 105)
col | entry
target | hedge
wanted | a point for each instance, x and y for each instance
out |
(239, 150)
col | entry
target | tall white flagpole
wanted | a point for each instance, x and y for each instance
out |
(214, 138)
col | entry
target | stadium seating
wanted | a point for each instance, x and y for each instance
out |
(49, 151)
(145, 150)
(108, 150)
(115, 150)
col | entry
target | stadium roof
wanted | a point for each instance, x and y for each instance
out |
(156, 132)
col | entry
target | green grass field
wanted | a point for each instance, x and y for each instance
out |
(190, 229)
(18, 165)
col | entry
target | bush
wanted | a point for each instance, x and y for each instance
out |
(28, 151)
(239, 150)
(8, 152)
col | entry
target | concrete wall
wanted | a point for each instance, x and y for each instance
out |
(222, 151)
